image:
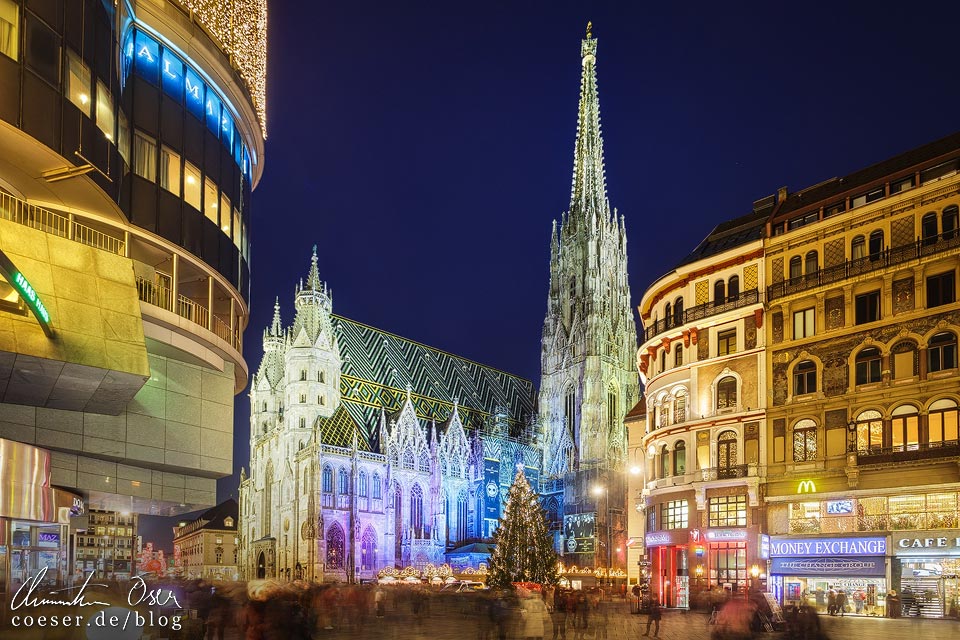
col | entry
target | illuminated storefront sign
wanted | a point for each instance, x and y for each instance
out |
(764, 547)
(579, 532)
(872, 546)
(26, 292)
(667, 538)
(828, 566)
(927, 543)
(806, 486)
(658, 539)
(726, 535)
(839, 507)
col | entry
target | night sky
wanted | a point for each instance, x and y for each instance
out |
(425, 147)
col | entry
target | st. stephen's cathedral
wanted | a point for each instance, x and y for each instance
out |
(368, 450)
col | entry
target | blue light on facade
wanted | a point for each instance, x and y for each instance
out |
(171, 72)
(147, 55)
(226, 129)
(213, 113)
(194, 93)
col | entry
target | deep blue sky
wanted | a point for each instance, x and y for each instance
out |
(425, 147)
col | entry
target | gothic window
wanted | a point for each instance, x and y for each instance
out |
(678, 311)
(553, 510)
(424, 462)
(303, 398)
(680, 458)
(407, 462)
(376, 487)
(327, 486)
(303, 423)
(727, 393)
(569, 411)
(362, 484)
(343, 482)
(679, 406)
(268, 499)
(733, 288)
(876, 244)
(320, 376)
(867, 366)
(218, 552)
(948, 222)
(942, 352)
(416, 511)
(804, 378)
(612, 413)
(303, 374)
(805, 441)
(928, 228)
(306, 477)
(368, 550)
(398, 517)
(335, 556)
(796, 267)
(719, 292)
(462, 516)
(858, 248)
(869, 427)
(726, 452)
(811, 263)
(678, 355)
(905, 428)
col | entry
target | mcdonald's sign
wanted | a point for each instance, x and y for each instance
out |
(806, 486)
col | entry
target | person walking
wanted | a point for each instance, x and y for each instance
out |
(654, 617)
(559, 615)
(841, 602)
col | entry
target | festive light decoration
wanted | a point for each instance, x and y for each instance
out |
(240, 28)
(524, 551)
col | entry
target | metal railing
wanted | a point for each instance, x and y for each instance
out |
(904, 452)
(883, 259)
(20, 212)
(700, 312)
(161, 296)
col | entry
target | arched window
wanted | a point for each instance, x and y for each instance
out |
(942, 423)
(416, 511)
(679, 458)
(553, 510)
(613, 413)
(424, 464)
(268, 500)
(335, 555)
(362, 484)
(796, 267)
(811, 263)
(867, 365)
(678, 355)
(398, 518)
(858, 248)
(664, 418)
(804, 378)
(368, 550)
(904, 360)
(719, 292)
(805, 441)
(462, 516)
(377, 495)
(928, 228)
(948, 222)
(407, 460)
(733, 288)
(876, 244)
(663, 360)
(664, 462)
(869, 426)
(905, 428)
(680, 406)
(678, 311)
(727, 454)
(343, 482)
(942, 352)
(327, 479)
(727, 393)
(668, 315)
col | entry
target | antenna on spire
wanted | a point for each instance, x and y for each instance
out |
(589, 30)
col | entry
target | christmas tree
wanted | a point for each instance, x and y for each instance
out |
(524, 551)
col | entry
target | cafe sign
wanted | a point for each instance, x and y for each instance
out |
(926, 543)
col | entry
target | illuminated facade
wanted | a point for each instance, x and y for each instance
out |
(209, 546)
(370, 451)
(588, 378)
(863, 408)
(702, 357)
(131, 137)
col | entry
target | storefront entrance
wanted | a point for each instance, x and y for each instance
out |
(928, 564)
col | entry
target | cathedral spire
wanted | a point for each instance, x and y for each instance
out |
(588, 197)
(276, 328)
(313, 277)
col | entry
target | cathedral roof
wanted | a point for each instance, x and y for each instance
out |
(338, 430)
(378, 365)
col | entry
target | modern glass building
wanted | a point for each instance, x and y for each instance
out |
(131, 138)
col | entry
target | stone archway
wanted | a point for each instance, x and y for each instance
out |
(261, 566)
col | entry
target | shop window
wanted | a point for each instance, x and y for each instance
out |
(942, 352)
(867, 307)
(191, 185)
(804, 378)
(145, 156)
(906, 512)
(804, 323)
(858, 248)
(105, 119)
(210, 200)
(674, 515)
(727, 393)
(941, 289)
(9, 28)
(78, 83)
(726, 342)
(727, 511)
(905, 429)
(805, 441)
(679, 458)
(728, 565)
(942, 423)
(867, 366)
(170, 170)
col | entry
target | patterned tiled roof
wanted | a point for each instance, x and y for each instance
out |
(377, 366)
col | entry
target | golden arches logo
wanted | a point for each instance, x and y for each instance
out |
(806, 486)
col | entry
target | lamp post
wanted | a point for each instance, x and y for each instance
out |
(755, 582)
(597, 490)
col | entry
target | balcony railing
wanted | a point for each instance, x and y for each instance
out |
(902, 453)
(875, 261)
(706, 475)
(701, 311)
(161, 296)
(16, 210)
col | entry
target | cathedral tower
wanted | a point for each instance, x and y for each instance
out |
(588, 377)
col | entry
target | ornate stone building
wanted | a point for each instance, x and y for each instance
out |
(588, 375)
(368, 450)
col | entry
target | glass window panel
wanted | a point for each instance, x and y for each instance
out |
(78, 83)
(123, 137)
(246, 243)
(9, 28)
(145, 156)
(170, 170)
(147, 56)
(210, 200)
(191, 185)
(194, 92)
(226, 129)
(126, 58)
(236, 228)
(212, 108)
(172, 75)
(225, 214)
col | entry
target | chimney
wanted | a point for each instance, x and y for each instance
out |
(781, 194)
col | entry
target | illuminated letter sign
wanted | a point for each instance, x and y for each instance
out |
(172, 75)
(806, 486)
(195, 98)
(828, 547)
(147, 55)
(26, 292)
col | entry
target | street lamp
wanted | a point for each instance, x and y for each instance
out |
(755, 574)
(597, 490)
